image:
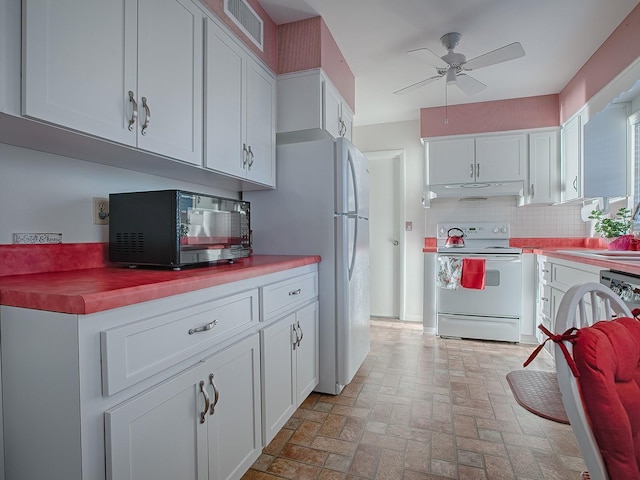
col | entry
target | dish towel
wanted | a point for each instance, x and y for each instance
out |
(473, 273)
(449, 272)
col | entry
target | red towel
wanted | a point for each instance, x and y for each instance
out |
(473, 273)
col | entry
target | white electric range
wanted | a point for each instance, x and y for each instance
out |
(492, 313)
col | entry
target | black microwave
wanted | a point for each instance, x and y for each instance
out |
(176, 228)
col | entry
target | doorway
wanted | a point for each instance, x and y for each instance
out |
(387, 239)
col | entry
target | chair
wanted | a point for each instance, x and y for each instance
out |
(603, 403)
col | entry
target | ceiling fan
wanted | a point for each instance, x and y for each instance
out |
(453, 65)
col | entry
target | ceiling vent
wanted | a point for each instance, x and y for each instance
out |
(247, 20)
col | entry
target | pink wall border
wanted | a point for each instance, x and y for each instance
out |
(497, 116)
(616, 53)
(308, 44)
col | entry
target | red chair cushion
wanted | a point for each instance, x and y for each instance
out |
(607, 355)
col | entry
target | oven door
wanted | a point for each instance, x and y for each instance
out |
(501, 297)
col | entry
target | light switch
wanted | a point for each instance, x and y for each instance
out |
(408, 226)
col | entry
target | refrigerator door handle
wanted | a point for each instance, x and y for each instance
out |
(354, 249)
(352, 167)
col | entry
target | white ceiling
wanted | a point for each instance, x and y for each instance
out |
(558, 37)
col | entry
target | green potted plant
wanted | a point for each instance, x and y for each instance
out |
(614, 230)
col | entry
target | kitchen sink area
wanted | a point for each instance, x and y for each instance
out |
(612, 255)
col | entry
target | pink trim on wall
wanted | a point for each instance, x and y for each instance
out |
(270, 54)
(336, 67)
(497, 116)
(308, 44)
(614, 55)
(299, 45)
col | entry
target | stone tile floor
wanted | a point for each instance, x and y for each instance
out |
(422, 407)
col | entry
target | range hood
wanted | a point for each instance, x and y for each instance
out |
(478, 190)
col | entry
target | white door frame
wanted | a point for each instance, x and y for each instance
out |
(399, 156)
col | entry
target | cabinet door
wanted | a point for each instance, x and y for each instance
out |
(347, 121)
(278, 395)
(571, 159)
(224, 118)
(451, 161)
(544, 187)
(501, 158)
(235, 422)
(158, 434)
(307, 367)
(332, 104)
(260, 124)
(170, 78)
(79, 64)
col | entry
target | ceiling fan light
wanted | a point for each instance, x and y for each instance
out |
(451, 76)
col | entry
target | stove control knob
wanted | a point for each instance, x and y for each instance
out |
(503, 229)
(442, 230)
(496, 229)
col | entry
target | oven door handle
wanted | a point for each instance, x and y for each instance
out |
(493, 258)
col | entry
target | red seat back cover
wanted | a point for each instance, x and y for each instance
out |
(607, 355)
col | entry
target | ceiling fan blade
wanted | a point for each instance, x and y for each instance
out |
(469, 85)
(416, 86)
(502, 54)
(428, 56)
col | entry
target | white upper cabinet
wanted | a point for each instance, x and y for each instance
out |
(477, 159)
(543, 186)
(240, 111)
(571, 160)
(126, 71)
(310, 106)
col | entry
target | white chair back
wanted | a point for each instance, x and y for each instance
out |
(574, 311)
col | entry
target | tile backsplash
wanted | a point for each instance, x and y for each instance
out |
(525, 221)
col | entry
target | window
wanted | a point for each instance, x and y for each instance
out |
(634, 120)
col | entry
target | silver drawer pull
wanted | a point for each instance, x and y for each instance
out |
(204, 328)
(147, 116)
(295, 292)
(301, 332)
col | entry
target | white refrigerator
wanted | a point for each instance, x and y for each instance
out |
(321, 207)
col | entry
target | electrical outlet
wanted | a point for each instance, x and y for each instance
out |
(100, 211)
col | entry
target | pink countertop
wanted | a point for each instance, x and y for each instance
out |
(95, 289)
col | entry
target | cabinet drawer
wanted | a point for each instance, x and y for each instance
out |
(545, 300)
(279, 297)
(138, 350)
(567, 277)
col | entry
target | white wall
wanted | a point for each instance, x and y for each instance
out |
(396, 136)
(527, 221)
(44, 193)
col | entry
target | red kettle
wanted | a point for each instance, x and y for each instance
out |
(455, 241)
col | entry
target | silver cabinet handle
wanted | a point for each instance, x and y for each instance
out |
(245, 154)
(301, 332)
(203, 414)
(471, 171)
(295, 342)
(295, 292)
(250, 157)
(134, 110)
(203, 328)
(147, 116)
(216, 395)
(395, 243)
(532, 191)
(575, 183)
(477, 170)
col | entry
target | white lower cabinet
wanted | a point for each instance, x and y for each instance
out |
(186, 402)
(203, 423)
(290, 369)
